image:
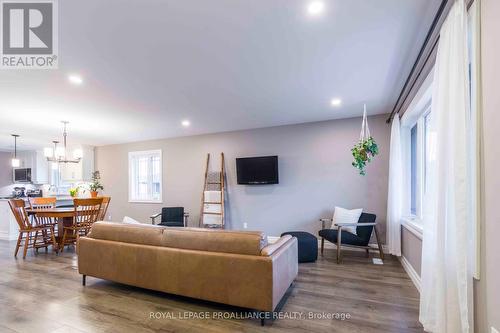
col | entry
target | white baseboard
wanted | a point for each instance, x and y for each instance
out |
(7, 236)
(415, 278)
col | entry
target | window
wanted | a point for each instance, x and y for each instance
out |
(413, 170)
(417, 149)
(145, 184)
(429, 147)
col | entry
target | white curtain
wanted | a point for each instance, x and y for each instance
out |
(445, 302)
(475, 131)
(395, 192)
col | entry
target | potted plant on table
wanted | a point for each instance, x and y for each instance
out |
(73, 192)
(95, 185)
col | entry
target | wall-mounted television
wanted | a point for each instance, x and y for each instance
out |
(257, 170)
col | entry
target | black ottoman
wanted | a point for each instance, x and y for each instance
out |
(307, 245)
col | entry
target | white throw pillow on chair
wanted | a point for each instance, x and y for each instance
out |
(342, 215)
(130, 220)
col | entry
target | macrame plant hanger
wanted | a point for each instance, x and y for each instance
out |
(366, 148)
(365, 130)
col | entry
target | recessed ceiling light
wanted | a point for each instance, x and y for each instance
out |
(315, 7)
(75, 79)
(186, 123)
(336, 102)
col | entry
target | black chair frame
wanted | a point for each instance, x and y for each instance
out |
(365, 221)
(171, 217)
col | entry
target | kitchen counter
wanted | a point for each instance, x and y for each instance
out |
(8, 224)
(58, 197)
(7, 199)
(62, 200)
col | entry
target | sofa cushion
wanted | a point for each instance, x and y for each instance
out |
(347, 237)
(145, 234)
(213, 240)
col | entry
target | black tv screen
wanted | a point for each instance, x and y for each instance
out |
(257, 170)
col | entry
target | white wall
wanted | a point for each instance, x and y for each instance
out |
(411, 249)
(488, 288)
(314, 165)
(5, 173)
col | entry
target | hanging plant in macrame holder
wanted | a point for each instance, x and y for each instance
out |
(365, 149)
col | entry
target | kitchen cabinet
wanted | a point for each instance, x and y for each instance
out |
(25, 159)
(40, 168)
(81, 171)
(87, 163)
(8, 225)
(71, 172)
(38, 164)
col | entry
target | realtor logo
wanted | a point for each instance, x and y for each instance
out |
(28, 34)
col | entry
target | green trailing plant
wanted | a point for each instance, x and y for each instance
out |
(363, 152)
(96, 185)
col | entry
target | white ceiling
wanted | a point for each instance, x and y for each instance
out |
(223, 64)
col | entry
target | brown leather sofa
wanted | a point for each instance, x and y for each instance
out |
(232, 267)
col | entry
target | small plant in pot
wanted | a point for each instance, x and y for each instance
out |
(95, 185)
(363, 152)
(73, 192)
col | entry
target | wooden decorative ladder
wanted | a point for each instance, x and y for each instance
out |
(212, 211)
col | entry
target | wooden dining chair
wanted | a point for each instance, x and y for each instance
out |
(33, 235)
(43, 203)
(104, 208)
(86, 212)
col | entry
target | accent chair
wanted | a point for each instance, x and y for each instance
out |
(364, 228)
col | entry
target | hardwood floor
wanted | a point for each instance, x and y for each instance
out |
(43, 293)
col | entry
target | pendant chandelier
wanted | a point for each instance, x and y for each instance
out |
(15, 161)
(58, 154)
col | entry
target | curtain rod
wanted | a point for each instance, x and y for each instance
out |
(413, 75)
(417, 61)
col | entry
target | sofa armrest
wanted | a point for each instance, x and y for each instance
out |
(285, 268)
(153, 217)
(355, 224)
(271, 248)
(323, 221)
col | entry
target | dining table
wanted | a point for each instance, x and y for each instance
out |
(63, 215)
